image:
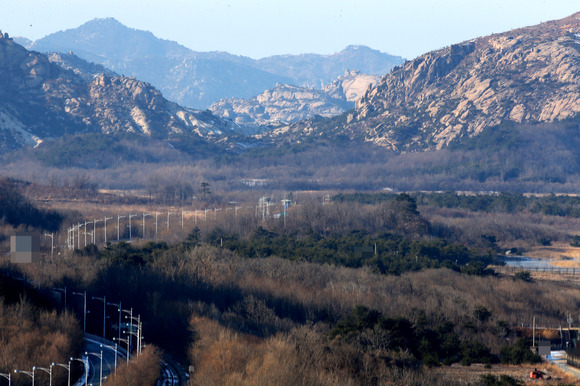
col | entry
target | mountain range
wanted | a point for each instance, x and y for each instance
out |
(527, 76)
(42, 99)
(494, 109)
(198, 79)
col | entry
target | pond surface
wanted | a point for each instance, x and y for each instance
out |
(531, 263)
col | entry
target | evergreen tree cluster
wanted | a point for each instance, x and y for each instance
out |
(17, 210)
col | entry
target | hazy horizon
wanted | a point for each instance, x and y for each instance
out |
(259, 29)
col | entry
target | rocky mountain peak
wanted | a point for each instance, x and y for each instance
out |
(104, 41)
(351, 86)
(40, 100)
(530, 74)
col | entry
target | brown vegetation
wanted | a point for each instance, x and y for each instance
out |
(142, 370)
(224, 357)
(32, 337)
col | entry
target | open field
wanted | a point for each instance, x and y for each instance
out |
(566, 264)
(554, 252)
(470, 375)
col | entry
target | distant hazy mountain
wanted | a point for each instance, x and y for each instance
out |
(25, 42)
(79, 66)
(198, 79)
(284, 103)
(40, 99)
(106, 41)
(313, 70)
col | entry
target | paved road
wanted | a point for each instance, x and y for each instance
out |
(94, 348)
(559, 359)
(171, 373)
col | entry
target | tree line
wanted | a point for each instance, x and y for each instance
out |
(504, 202)
(17, 210)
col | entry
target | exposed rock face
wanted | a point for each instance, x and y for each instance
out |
(280, 105)
(526, 75)
(39, 99)
(351, 86)
(284, 104)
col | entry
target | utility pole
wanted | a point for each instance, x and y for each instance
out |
(118, 227)
(264, 207)
(156, 215)
(104, 300)
(95, 221)
(168, 214)
(118, 305)
(285, 204)
(128, 343)
(534, 332)
(86, 222)
(79, 234)
(71, 244)
(91, 236)
(182, 213)
(84, 295)
(130, 217)
(144, 215)
(51, 235)
(138, 333)
(106, 218)
(130, 312)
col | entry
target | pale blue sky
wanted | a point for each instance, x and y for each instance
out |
(259, 28)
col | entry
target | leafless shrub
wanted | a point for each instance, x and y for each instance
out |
(142, 370)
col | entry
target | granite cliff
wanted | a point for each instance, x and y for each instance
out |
(529, 75)
(285, 103)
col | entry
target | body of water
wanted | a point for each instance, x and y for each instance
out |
(530, 263)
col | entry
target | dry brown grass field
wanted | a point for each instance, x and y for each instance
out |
(555, 252)
(471, 375)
